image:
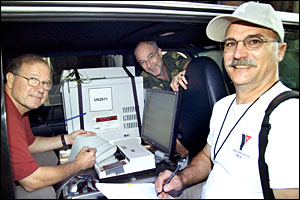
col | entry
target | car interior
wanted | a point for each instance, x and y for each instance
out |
(71, 45)
(94, 39)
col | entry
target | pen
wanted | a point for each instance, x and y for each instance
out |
(75, 116)
(170, 178)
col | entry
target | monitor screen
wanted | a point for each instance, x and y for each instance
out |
(160, 124)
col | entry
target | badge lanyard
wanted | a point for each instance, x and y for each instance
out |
(215, 154)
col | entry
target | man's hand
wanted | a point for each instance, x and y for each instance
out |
(177, 80)
(175, 184)
(49, 175)
(86, 157)
(70, 138)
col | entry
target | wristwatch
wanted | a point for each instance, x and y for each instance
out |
(63, 141)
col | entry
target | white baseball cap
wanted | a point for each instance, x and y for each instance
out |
(256, 13)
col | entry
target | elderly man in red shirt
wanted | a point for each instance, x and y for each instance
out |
(28, 81)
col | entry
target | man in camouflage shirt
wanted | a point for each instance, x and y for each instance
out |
(159, 69)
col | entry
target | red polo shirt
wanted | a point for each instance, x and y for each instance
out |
(20, 137)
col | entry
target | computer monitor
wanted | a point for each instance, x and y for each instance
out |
(160, 123)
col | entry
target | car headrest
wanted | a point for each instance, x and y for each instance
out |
(206, 86)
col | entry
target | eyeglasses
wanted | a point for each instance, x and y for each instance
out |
(150, 58)
(250, 42)
(34, 82)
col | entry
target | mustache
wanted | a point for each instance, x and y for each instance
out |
(242, 62)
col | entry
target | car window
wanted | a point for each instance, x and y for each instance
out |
(216, 55)
(289, 66)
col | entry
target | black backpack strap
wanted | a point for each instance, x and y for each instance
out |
(136, 102)
(79, 87)
(263, 141)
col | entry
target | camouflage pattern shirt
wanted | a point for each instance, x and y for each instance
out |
(174, 63)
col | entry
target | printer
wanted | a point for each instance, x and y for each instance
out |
(101, 100)
(124, 156)
(132, 158)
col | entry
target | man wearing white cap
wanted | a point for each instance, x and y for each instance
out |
(253, 38)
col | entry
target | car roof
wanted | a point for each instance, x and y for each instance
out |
(59, 28)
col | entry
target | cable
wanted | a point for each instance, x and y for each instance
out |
(69, 77)
(52, 104)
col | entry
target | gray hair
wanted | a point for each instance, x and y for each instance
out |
(149, 42)
(16, 64)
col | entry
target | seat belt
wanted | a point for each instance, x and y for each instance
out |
(263, 141)
(136, 102)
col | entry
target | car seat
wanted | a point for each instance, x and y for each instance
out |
(206, 86)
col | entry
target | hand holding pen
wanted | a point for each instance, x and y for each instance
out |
(170, 178)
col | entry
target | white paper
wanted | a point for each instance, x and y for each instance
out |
(84, 140)
(127, 190)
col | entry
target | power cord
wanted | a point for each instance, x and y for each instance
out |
(69, 77)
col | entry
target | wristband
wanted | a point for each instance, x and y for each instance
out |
(63, 141)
